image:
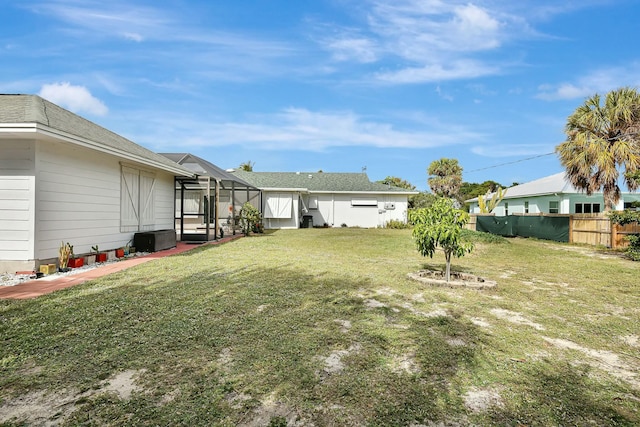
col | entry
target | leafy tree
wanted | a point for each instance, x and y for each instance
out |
(603, 138)
(398, 182)
(247, 166)
(440, 225)
(423, 199)
(445, 177)
(469, 190)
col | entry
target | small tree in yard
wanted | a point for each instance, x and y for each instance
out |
(440, 225)
(249, 218)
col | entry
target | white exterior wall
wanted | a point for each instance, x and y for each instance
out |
(540, 204)
(336, 209)
(17, 206)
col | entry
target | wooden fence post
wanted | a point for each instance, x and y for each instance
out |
(570, 228)
(614, 235)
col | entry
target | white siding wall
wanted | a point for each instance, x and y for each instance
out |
(78, 200)
(17, 211)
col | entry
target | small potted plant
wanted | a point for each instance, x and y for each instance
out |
(100, 256)
(73, 261)
(63, 257)
(120, 253)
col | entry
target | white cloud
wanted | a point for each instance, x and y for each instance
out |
(77, 99)
(438, 72)
(360, 49)
(430, 40)
(598, 81)
(303, 130)
(512, 150)
(114, 17)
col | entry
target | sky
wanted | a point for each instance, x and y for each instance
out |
(382, 86)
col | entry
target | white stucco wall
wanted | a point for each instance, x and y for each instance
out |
(17, 207)
(336, 209)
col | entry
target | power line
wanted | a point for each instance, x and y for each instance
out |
(510, 163)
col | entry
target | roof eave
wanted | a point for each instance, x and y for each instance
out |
(41, 129)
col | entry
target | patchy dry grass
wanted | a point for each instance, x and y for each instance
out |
(322, 327)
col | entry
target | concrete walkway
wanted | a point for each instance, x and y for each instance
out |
(35, 288)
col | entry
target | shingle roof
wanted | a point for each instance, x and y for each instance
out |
(318, 182)
(28, 109)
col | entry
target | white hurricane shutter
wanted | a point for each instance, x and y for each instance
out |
(137, 201)
(147, 201)
(278, 205)
(129, 199)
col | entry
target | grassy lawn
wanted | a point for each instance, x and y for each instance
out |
(322, 327)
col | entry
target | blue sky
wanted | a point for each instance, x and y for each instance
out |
(332, 85)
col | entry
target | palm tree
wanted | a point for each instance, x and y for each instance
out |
(247, 166)
(446, 177)
(601, 140)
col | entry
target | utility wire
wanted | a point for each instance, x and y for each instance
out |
(510, 163)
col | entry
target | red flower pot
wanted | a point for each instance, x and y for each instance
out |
(101, 257)
(75, 262)
(120, 253)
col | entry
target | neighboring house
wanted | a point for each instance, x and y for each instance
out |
(552, 194)
(66, 179)
(214, 197)
(305, 199)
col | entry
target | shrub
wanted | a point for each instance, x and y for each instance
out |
(633, 251)
(481, 237)
(249, 217)
(397, 224)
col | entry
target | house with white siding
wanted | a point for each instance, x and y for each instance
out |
(553, 194)
(66, 179)
(307, 199)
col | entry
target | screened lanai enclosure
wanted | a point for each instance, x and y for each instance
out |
(208, 207)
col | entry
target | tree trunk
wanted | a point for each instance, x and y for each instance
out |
(447, 257)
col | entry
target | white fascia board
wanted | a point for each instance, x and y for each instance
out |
(394, 193)
(38, 129)
(281, 189)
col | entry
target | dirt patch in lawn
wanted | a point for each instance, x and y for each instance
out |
(50, 409)
(268, 412)
(517, 318)
(482, 399)
(601, 359)
(333, 363)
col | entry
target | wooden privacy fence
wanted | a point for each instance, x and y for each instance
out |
(589, 229)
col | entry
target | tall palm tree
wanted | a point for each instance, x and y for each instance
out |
(603, 139)
(446, 177)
